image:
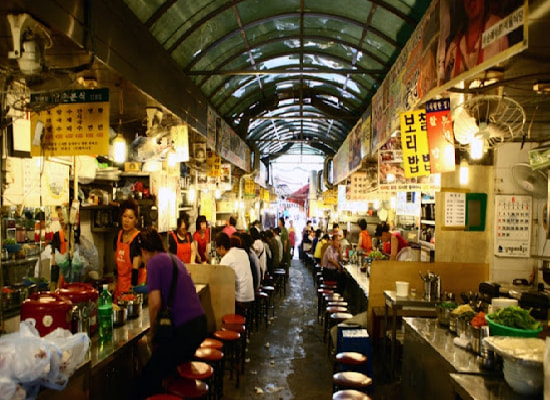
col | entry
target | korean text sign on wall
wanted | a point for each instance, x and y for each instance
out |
(414, 140)
(77, 125)
(440, 135)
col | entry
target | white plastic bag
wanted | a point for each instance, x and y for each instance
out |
(73, 350)
(24, 358)
(11, 390)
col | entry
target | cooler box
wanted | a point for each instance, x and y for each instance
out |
(357, 340)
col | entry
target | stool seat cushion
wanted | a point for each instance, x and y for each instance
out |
(337, 303)
(350, 379)
(208, 354)
(227, 335)
(325, 291)
(336, 309)
(350, 394)
(234, 327)
(335, 283)
(164, 396)
(195, 370)
(211, 343)
(351, 358)
(268, 288)
(279, 271)
(341, 316)
(233, 319)
(188, 388)
(263, 295)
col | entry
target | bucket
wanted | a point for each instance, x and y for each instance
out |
(401, 288)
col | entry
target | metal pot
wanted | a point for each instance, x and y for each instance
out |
(133, 309)
(119, 316)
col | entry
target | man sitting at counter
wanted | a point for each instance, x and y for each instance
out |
(330, 264)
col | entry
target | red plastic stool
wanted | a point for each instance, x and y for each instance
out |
(231, 341)
(188, 388)
(216, 359)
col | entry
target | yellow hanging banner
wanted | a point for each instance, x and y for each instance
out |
(414, 140)
(249, 188)
(77, 126)
(330, 197)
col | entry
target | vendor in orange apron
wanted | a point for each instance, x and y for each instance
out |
(181, 243)
(129, 269)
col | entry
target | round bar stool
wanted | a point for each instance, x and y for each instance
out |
(337, 303)
(215, 358)
(233, 319)
(241, 329)
(210, 343)
(263, 301)
(197, 370)
(164, 396)
(350, 380)
(280, 280)
(320, 296)
(335, 319)
(270, 306)
(231, 341)
(348, 360)
(187, 388)
(350, 394)
(328, 311)
(326, 298)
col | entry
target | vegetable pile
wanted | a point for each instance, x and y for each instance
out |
(478, 320)
(514, 317)
(377, 255)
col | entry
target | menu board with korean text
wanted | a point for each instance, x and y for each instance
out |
(455, 210)
(77, 125)
(414, 141)
(512, 225)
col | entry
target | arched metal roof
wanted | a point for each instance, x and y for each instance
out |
(286, 74)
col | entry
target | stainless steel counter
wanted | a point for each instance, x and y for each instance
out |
(476, 387)
(430, 356)
(359, 277)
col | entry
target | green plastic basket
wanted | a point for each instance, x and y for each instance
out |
(502, 330)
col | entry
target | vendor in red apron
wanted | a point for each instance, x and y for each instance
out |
(181, 242)
(129, 269)
(60, 242)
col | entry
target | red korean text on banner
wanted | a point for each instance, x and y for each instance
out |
(414, 140)
(440, 135)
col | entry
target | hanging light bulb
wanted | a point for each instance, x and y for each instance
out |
(119, 148)
(192, 194)
(464, 172)
(171, 158)
(476, 148)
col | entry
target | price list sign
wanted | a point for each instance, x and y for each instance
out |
(512, 225)
(455, 210)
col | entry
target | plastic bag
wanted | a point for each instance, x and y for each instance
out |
(88, 256)
(24, 358)
(73, 350)
(11, 390)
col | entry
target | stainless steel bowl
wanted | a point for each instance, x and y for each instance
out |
(133, 309)
(119, 316)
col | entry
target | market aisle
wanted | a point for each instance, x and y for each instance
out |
(296, 364)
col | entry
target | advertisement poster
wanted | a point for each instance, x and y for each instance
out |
(354, 147)
(390, 163)
(366, 134)
(476, 35)
(340, 163)
(414, 141)
(77, 126)
(440, 135)
(211, 128)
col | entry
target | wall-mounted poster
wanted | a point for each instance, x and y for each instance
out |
(354, 147)
(475, 35)
(212, 117)
(199, 152)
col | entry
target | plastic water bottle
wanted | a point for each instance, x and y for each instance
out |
(105, 315)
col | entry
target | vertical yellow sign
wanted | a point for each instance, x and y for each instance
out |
(414, 140)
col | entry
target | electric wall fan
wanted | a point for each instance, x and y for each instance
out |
(491, 118)
(535, 182)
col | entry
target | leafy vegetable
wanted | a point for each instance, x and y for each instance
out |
(9, 241)
(448, 304)
(377, 255)
(463, 308)
(514, 317)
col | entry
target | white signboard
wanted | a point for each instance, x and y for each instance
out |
(512, 225)
(455, 210)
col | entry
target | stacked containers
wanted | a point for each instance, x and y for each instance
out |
(85, 297)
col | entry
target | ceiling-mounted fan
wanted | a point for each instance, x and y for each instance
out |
(491, 119)
(535, 182)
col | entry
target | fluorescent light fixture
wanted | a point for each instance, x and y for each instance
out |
(119, 148)
(464, 173)
(476, 148)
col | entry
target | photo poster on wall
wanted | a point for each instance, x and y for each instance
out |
(29, 183)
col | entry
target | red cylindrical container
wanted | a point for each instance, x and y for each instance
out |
(49, 310)
(84, 296)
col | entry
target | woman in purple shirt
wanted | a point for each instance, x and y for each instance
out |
(187, 313)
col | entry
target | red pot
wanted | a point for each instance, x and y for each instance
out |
(84, 296)
(49, 310)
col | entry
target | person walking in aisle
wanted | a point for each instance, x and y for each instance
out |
(285, 240)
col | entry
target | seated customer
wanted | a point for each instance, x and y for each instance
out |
(330, 264)
(235, 257)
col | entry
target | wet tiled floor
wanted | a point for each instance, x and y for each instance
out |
(288, 359)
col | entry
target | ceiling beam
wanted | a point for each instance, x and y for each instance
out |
(278, 71)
